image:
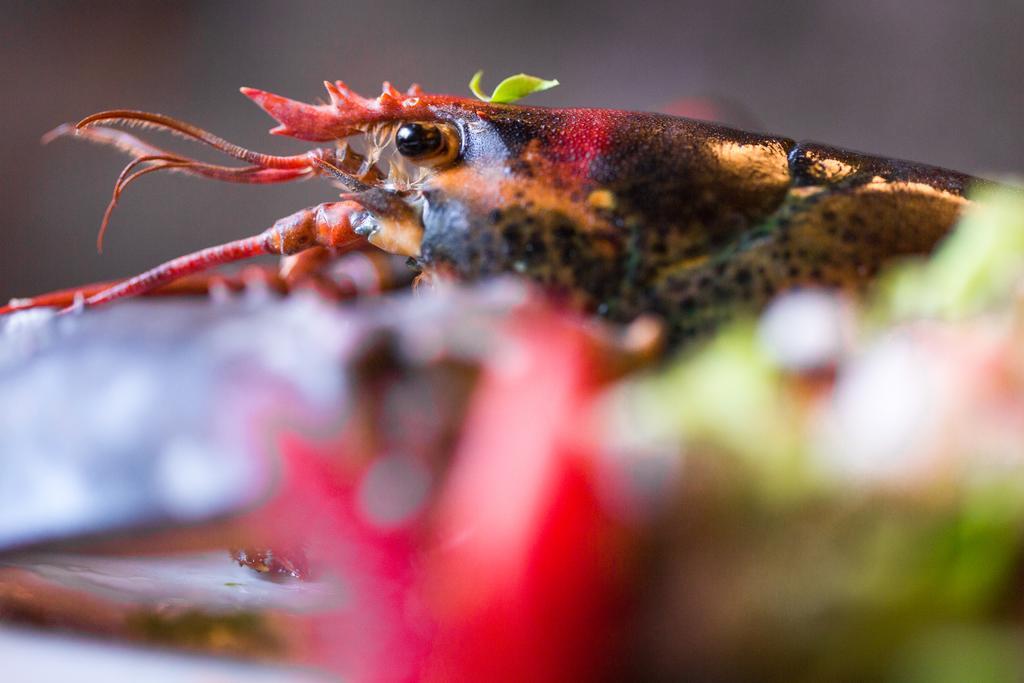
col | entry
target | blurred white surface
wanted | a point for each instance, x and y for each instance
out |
(34, 657)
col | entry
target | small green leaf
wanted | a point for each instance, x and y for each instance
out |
(512, 88)
(474, 85)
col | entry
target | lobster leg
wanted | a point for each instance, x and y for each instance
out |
(333, 275)
(326, 225)
(192, 285)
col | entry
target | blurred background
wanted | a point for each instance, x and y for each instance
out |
(934, 82)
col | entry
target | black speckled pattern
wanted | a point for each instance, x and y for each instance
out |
(707, 221)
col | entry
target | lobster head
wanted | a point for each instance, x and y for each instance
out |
(468, 188)
(492, 187)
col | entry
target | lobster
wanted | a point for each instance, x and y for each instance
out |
(452, 473)
(614, 213)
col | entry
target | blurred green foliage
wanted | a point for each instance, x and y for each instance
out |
(976, 268)
(839, 580)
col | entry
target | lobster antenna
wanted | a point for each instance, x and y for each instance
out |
(253, 175)
(187, 130)
(125, 179)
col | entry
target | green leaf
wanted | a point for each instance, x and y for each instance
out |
(512, 88)
(474, 85)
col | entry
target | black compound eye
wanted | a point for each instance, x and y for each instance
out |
(418, 140)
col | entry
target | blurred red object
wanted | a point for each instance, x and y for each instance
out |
(505, 568)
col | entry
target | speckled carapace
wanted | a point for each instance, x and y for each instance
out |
(617, 213)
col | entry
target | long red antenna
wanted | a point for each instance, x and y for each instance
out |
(131, 117)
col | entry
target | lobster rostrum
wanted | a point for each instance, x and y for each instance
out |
(616, 213)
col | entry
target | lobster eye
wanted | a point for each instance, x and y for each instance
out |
(426, 143)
